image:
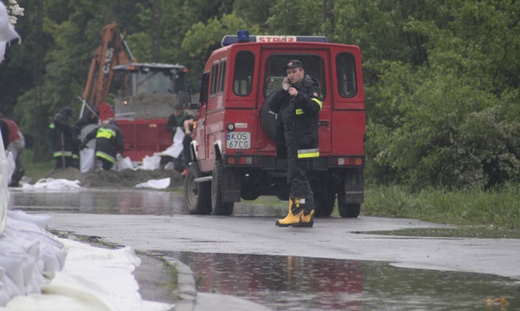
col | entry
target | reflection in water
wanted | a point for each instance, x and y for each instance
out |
(113, 201)
(300, 283)
(283, 281)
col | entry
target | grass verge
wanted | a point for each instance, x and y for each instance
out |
(36, 170)
(495, 212)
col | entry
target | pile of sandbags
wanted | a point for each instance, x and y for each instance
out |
(27, 254)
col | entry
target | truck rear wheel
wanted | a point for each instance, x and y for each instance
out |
(347, 210)
(324, 195)
(219, 207)
(324, 203)
(351, 210)
(197, 196)
(352, 185)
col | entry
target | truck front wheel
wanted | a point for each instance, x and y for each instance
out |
(324, 190)
(197, 196)
(219, 207)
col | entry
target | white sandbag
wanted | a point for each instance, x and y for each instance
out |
(176, 148)
(151, 163)
(92, 279)
(169, 166)
(155, 183)
(4, 193)
(87, 160)
(124, 164)
(11, 166)
(27, 252)
(39, 220)
(53, 184)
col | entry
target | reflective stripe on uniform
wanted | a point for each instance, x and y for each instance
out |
(60, 153)
(308, 153)
(105, 156)
(105, 133)
(299, 111)
(319, 102)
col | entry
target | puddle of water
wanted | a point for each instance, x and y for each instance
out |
(140, 202)
(298, 283)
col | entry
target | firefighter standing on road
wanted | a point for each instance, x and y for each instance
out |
(298, 106)
(62, 138)
(109, 140)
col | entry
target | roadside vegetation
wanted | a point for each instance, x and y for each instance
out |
(494, 213)
(36, 170)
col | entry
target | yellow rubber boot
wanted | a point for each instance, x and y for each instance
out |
(294, 216)
(308, 220)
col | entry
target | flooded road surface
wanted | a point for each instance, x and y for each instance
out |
(283, 282)
(120, 201)
(298, 283)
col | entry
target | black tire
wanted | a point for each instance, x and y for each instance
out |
(347, 210)
(219, 207)
(324, 190)
(351, 210)
(197, 196)
(267, 118)
(324, 203)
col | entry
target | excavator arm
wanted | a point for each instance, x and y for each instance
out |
(111, 52)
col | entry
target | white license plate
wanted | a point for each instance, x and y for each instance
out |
(238, 140)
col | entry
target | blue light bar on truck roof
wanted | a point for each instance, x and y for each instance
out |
(231, 39)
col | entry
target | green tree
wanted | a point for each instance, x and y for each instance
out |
(70, 34)
(302, 17)
(444, 123)
(255, 12)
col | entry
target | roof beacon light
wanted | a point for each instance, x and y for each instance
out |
(243, 36)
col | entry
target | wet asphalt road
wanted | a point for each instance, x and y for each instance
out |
(329, 267)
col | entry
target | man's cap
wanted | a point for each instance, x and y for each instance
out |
(294, 64)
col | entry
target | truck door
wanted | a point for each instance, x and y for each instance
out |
(200, 130)
(314, 60)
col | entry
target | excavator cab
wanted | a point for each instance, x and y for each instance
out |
(144, 97)
(144, 91)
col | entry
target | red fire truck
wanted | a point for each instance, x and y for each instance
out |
(233, 147)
